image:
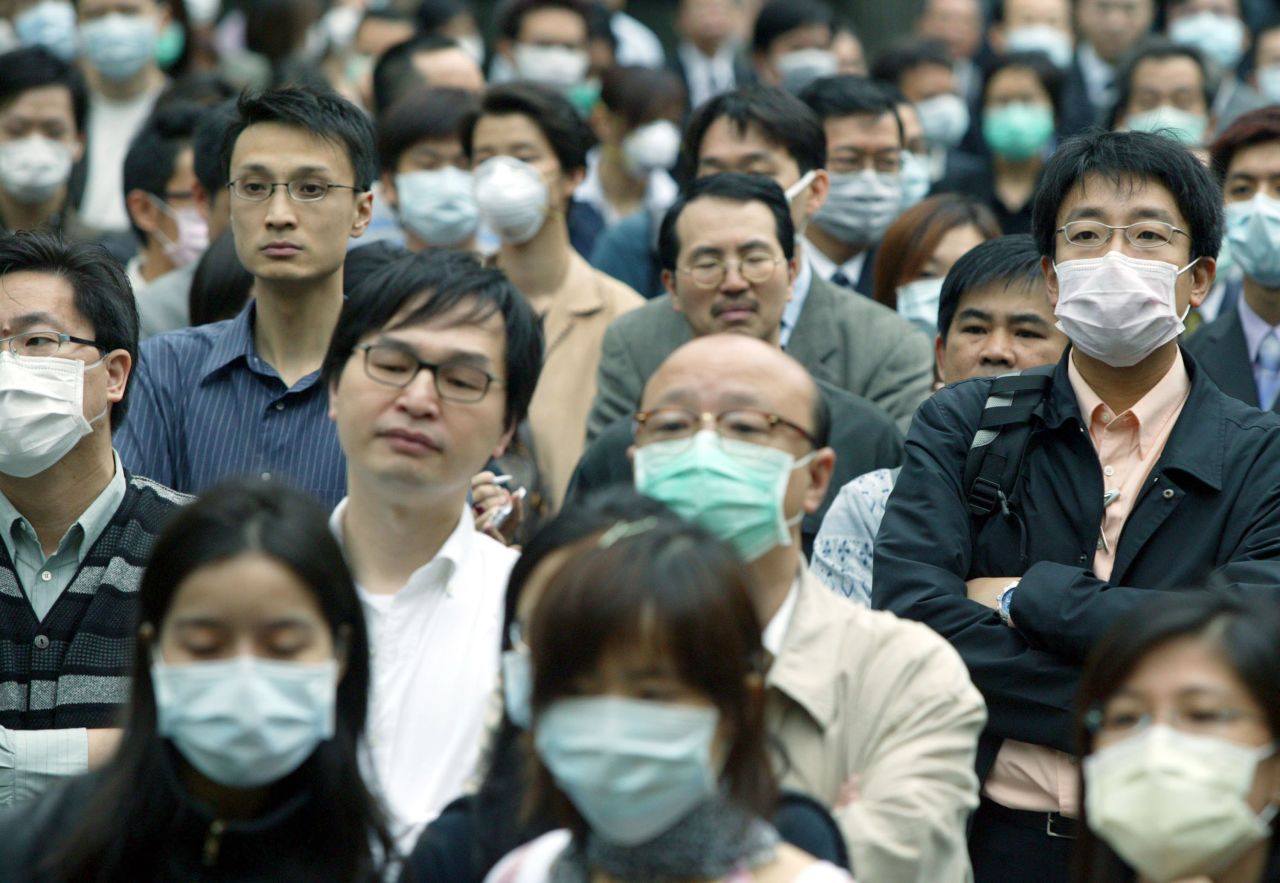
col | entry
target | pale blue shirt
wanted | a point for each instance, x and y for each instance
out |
(1255, 329)
(845, 545)
(799, 292)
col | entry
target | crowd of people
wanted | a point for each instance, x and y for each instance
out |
(539, 445)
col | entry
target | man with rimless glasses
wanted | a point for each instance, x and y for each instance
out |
(1140, 478)
(243, 397)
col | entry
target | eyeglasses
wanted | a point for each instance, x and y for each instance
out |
(455, 382)
(1142, 234)
(305, 190)
(1122, 721)
(744, 425)
(711, 272)
(45, 343)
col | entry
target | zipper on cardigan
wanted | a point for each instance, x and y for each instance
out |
(213, 842)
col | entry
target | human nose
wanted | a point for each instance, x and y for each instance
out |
(281, 211)
(419, 396)
(997, 349)
(733, 279)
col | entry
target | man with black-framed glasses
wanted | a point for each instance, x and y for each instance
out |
(75, 527)
(243, 397)
(431, 369)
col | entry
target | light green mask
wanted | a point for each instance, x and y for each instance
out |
(170, 45)
(1018, 131)
(734, 489)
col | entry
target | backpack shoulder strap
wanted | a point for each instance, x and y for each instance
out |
(994, 462)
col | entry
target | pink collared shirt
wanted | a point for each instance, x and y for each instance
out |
(1033, 777)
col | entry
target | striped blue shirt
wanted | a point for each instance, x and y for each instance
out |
(205, 407)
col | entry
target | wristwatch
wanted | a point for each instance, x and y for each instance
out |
(1003, 600)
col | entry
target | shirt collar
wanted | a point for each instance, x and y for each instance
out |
(799, 292)
(235, 342)
(441, 569)
(776, 630)
(1099, 76)
(809, 652)
(1255, 328)
(826, 268)
(91, 523)
(1151, 412)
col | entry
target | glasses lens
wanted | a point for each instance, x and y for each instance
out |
(389, 365)
(37, 343)
(757, 268)
(1150, 234)
(461, 383)
(1087, 234)
(707, 274)
(308, 190)
(254, 189)
(746, 426)
(667, 424)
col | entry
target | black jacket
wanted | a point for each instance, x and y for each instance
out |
(1210, 506)
(1222, 351)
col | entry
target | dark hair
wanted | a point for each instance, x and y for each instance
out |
(102, 291)
(640, 95)
(124, 828)
(679, 588)
(1050, 77)
(153, 153)
(394, 74)
(1130, 158)
(1008, 261)
(1245, 633)
(430, 285)
(1158, 49)
(511, 15)
(321, 113)
(905, 56)
(850, 95)
(435, 14)
(778, 17)
(911, 239)
(735, 187)
(421, 115)
(1261, 126)
(221, 285)
(206, 146)
(780, 117)
(204, 88)
(569, 136)
(34, 67)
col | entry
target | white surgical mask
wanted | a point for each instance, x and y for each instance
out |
(338, 27)
(33, 168)
(51, 24)
(41, 411)
(1053, 42)
(944, 118)
(918, 302)
(118, 45)
(1253, 234)
(1118, 309)
(245, 722)
(801, 67)
(1269, 83)
(1175, 805)
(916, 179)
(517, 687)
(1220, 37)
(633, 768)
(860, 206)
(203, 12)
(651, 147)
(438, 206)
(473, 45)
(553, 65)
(1182, 126)
(193, 234)
(512, 198)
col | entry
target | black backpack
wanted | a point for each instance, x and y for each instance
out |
(995, 457)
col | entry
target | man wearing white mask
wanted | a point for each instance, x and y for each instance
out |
(1266, 60)
(75, 527)
(1034, 26)
(47, 23)
(1138, 476)
(544, 41)
(791, 43)
(528, 149)
(1165, 88)
(118, 40)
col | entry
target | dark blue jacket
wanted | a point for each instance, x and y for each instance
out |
(1210, 506)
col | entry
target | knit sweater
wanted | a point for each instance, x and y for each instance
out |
(72, 668)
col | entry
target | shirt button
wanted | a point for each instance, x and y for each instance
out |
(1168, 494)
(279, 406)
(41, 642)
(266, 476)
(46, 576)
(1106, 418)
(1101, 544)
(1108, 471)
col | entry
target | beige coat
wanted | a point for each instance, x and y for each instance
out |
(880, 722)
(573, 330)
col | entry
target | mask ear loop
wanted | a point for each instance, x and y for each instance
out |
(1187, 311)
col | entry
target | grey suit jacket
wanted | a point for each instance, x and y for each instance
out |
(1220, 349)
(841, 337)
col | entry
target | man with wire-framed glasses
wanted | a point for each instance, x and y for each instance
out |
(1138, 475)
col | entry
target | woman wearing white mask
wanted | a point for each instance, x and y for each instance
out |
(1179, 725)
(646, 707)
(920, 247)
(249, 698)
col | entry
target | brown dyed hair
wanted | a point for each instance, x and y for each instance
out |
(1261, 126)
(910, 241)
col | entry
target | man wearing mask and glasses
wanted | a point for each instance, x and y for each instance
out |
(75, 527)
(1139, 477)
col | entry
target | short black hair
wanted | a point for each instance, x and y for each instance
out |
(511, 15)
(426, 115)
(101, 289)
(1052, 80)
(1130, 158)
(777, 17)
(1158, 49)
(732, 186)
(320, 112)
(1008, 261)
(640, 95)
(435, 14)
(394, 74)
(432, 284)
(153, 152)
(850, 95)
(221, 285)
(34, 67)
(206, 146)
(905, 56)
(780, 117)
(567, 133)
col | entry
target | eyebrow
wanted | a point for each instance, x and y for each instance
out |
(453, 356)
(744, 160)
(1142, 213)
(30, 320)
(749, 245)
(300, 171)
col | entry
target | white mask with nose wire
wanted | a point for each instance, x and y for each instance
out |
(41, 411)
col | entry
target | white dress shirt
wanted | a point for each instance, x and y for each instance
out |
(433, 648)
(1099, 77)
(707, 76)
(826, 268)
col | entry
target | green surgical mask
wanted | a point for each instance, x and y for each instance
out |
(170, 45)
(1018, 131)
(734, 489)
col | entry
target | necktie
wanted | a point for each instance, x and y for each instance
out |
(841, 279)
(1268, 370)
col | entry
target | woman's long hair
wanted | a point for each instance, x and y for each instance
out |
(123, 832)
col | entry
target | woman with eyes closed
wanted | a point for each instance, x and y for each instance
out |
(1179, 725)
(250, 680)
